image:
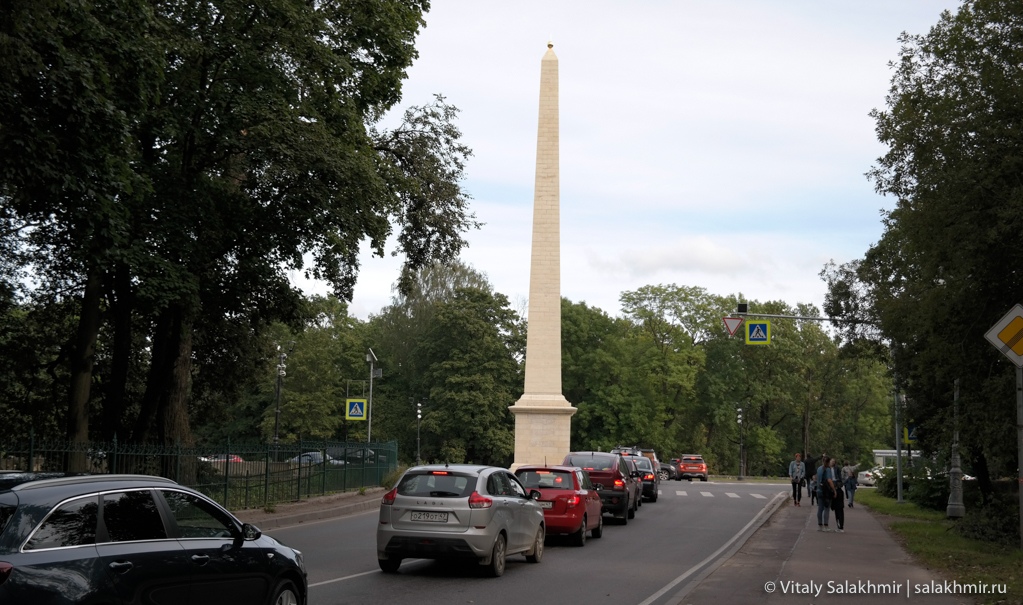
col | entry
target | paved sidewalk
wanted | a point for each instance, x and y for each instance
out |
(788, 562)
(312, 509)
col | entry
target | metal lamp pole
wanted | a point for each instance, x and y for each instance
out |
(739, 420)
(371, 358)
(419, 418)
(281, 373)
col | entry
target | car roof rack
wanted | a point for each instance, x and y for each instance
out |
(74, 479)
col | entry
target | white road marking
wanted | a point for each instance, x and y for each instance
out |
(707, 494)
(365, 573)
(761, 496)
(731, 495)
(660, 593)
(681, 493)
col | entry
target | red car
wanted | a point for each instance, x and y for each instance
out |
(570, 504)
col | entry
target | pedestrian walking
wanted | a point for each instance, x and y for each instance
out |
(849, 472)
(812, 489)
(797, 474)
(825, 492)
(838, 505)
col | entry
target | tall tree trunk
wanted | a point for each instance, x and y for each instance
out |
(172, 418)
(158, 379)
(83, 357)
(115, 403)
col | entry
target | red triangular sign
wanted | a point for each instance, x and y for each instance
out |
(732, 323)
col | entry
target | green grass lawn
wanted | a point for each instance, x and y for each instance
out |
(928, 535)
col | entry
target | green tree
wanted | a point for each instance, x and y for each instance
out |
(475, 376)
(938, 279)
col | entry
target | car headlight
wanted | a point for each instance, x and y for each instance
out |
(299, 559)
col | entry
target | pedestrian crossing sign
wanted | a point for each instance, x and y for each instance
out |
(758, 332)
(355, 409)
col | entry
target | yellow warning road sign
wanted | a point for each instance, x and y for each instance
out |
(1007, 335)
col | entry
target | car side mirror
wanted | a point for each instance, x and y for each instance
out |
(534, 494)
(637, 473)
(251, 532)
(598, 486)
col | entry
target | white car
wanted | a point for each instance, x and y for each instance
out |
(459, 511)
(870, 477)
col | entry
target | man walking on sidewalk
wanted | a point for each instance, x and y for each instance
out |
(797, 474)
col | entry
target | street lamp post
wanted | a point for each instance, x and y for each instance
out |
(739, 420)
(419, 418)
(281, 373)
(372, 359)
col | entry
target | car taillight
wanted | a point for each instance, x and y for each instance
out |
(619, 485)
(478, 501)
(571, 501)
(5, 571)
(648, 477)
(389, 497)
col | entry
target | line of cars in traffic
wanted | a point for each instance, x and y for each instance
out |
(484, 514)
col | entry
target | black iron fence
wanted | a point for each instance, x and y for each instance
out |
(238, 475)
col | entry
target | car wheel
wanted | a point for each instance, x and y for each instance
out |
(654, 497)
(389, 565)
(537, 553)
(632, 511)
(663, 475)
(626, 514)
(598, 531)
(286, 594)
(579, 537)
(703, 478)
(497, 557)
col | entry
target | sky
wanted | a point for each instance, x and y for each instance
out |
(720, 144)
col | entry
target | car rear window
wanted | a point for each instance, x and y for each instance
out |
(643, 464)
(693, 460)
(546, 479)
(8, 502)
(73, 524)
(437, 484)
(591, 463)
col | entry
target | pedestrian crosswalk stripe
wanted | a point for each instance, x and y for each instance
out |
(731, 495)
(762, 497)
(708, 494)
(681, 493)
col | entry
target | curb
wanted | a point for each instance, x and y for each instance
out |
(268, 523)
(769, 512)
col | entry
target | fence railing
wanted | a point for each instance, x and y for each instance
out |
(237, 475)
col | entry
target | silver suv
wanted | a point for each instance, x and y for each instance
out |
(459, 511)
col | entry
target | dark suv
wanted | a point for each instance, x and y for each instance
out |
(134, 539)
(618, 488)
(650, 478)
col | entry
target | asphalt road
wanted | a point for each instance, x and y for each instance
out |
(670, 543)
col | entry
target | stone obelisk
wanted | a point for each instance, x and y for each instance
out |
(543, 415)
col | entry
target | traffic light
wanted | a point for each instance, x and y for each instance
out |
(738, 415)
(743, 308)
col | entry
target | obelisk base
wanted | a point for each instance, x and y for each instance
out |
(542, 430)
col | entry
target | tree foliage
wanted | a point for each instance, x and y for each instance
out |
(943, 272)
(172, 161)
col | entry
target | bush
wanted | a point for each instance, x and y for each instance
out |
(391, 478)
(997, 522)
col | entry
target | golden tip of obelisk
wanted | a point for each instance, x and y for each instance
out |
(550, 44)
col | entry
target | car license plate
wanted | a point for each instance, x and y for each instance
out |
(431, 517)
(545, 504)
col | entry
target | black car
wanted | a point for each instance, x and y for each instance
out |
(68, 539)
(669, 472)
(650, 477)
(611, 475)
